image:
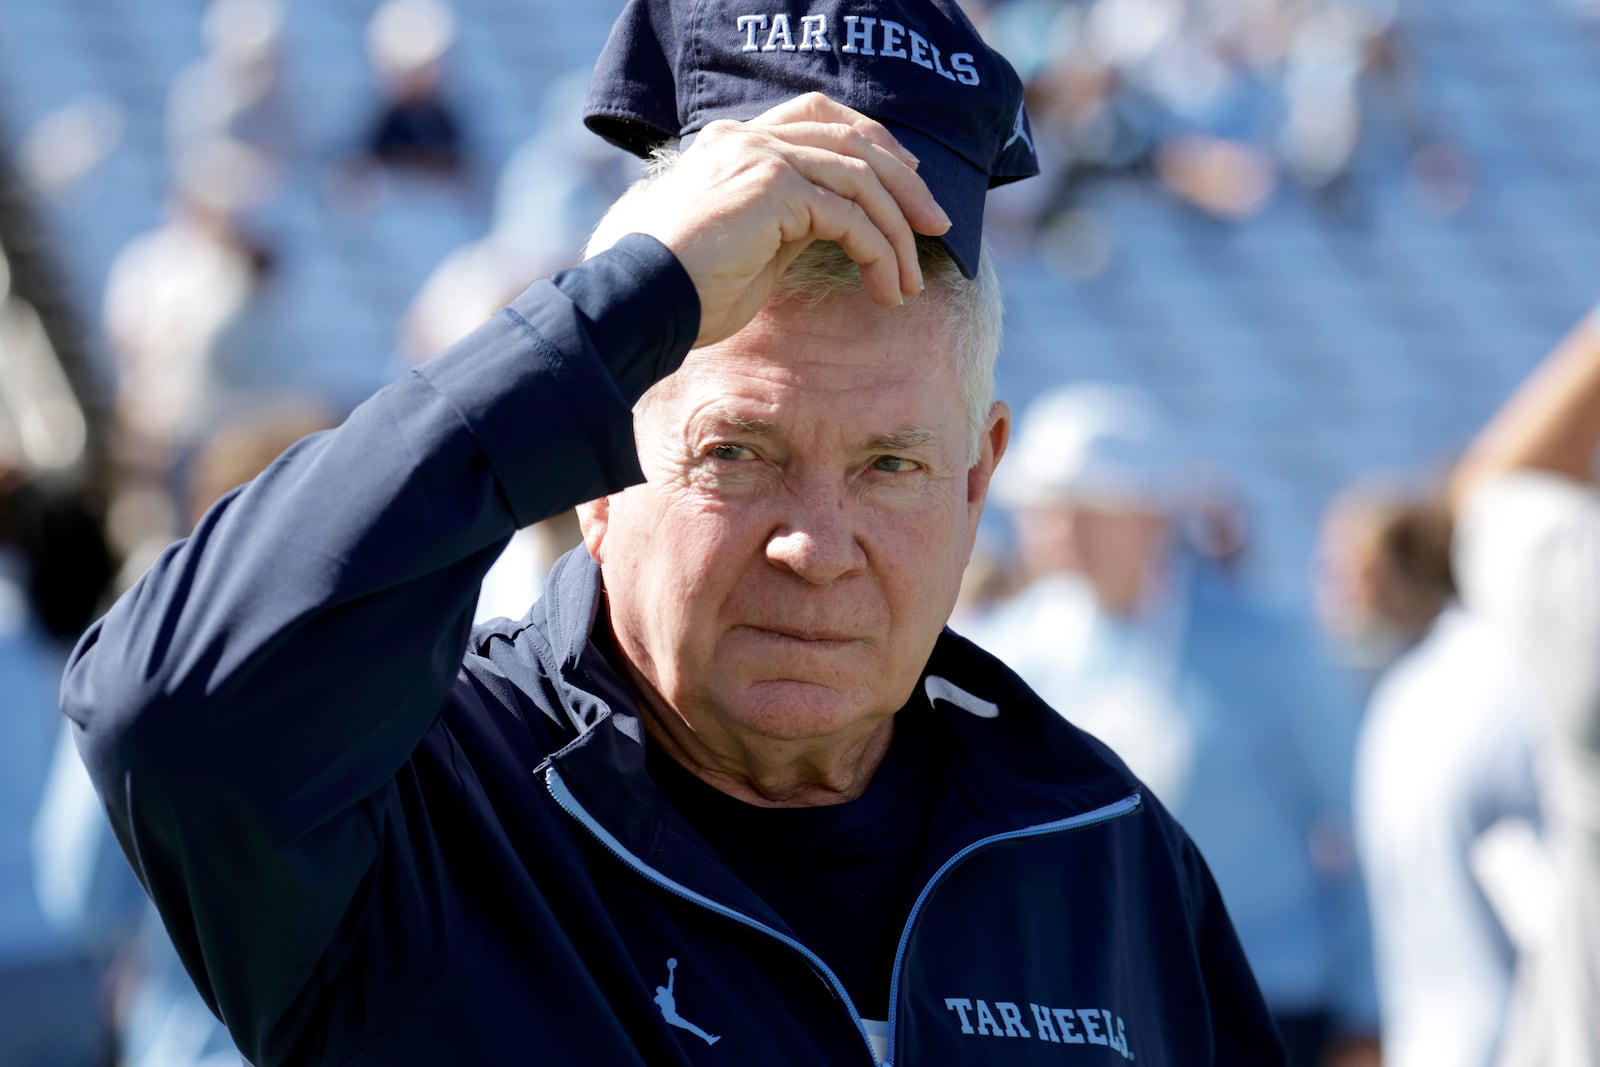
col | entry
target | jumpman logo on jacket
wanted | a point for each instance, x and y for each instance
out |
(669, 1006)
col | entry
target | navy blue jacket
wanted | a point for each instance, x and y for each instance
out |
(380, 838)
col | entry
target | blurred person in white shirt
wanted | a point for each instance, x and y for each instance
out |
(1445, 802)
(1527, 557)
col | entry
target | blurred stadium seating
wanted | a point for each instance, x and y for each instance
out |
(1300, 347)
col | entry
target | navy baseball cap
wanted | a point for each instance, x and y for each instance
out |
(670, 67)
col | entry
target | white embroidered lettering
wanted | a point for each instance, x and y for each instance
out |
(892, 33)
(1041, 1022)
(919, 50)
(858, 35)
(814, 34)
(938, 66)
(749, 24)
(780, 28)
(1069, 1027)
(986, 1023)
(1090, 1018)
(965, 68)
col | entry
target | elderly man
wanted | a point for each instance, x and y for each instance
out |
(729, 793)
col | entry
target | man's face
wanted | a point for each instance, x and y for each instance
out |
(808, 510)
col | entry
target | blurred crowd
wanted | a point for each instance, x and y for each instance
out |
(1398, 797)
(1404, 813)
(1217, 103)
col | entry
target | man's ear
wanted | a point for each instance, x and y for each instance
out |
(991, 446)
(593, 518)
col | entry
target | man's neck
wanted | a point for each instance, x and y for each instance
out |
(774, 774)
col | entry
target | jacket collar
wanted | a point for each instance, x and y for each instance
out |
(1017, 762)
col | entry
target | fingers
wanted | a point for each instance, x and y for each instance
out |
(748, 197)
(856, 160)
(817, 108)
(901, 181)
(830, 217)
(866, 218)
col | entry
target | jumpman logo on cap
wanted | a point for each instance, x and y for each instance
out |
(669, 1006)
(1019, 132)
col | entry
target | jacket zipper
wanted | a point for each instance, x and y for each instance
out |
(1126, 806)
(563, 797)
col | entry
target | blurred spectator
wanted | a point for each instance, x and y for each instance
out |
(171, 298)
(1528, 560)
(1382, 576)
(234, 92)
(1446, 807)
(246, 445)
(549, 196)
(59, 542)
(1217, 101)
(50, 980)
(416, 189)
(417, 128)
(1221, 705)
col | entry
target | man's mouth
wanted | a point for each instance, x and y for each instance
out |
(806, 634)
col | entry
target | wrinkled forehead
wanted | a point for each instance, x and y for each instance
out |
(842, 350)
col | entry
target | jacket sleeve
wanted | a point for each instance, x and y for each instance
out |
(248, 709)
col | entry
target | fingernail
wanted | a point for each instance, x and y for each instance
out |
(942, 216)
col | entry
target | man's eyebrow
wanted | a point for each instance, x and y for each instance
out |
(900, 440)
(907, 437)
(750, 427)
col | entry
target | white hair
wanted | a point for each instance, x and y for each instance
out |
(973, 307)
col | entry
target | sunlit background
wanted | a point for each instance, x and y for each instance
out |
(1327, 237)
(1327, 234)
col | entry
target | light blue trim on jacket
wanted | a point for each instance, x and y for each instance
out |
(1126, 806)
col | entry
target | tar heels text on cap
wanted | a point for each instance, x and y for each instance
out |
(863, 36)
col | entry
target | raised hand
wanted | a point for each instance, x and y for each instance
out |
(748, 197)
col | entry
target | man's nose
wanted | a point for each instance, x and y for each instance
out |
(816, 539)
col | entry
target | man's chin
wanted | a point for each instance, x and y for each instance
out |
(791, 709)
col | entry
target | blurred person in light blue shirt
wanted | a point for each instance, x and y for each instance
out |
(1220, 703)
(91, 895)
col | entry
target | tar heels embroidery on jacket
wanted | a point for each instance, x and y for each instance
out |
(669, 1006)
(1062, 1026)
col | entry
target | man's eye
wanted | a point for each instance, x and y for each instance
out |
(894, 464)
(731, 452)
